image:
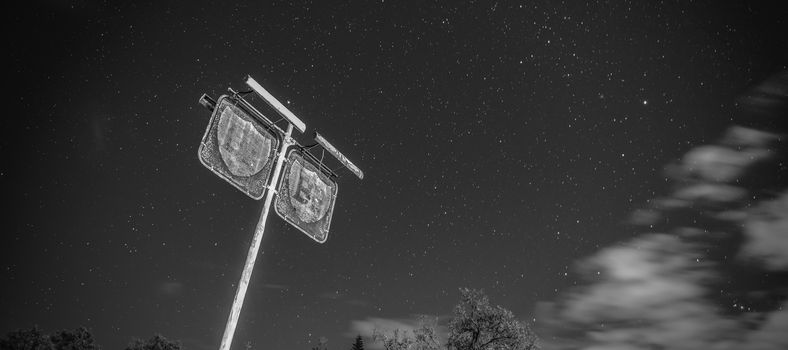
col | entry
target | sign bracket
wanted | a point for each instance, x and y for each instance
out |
(339, 156)
(207, 102)
(278, 106)
(256, 113)
(319, 162)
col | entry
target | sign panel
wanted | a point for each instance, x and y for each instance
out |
(306, 197)
(238, 148)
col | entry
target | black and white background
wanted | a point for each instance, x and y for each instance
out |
(613, 172)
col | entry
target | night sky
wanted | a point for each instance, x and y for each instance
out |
(502, 142)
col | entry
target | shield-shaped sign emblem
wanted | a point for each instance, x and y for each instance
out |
(239, 148)
(242, 147)
(306, 197)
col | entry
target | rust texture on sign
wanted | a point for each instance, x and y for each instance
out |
(306, 197)
(242, 147)
(238, 148)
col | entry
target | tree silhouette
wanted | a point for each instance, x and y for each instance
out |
(79, 339)
(157, 342)
(425, 337)
(322, 344)
(27, 339)
(477, 325)
(34, 339)
(398, 340)
(358, 344)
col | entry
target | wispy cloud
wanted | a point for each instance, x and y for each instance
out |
(366, 327)
(771, 334)
(646, 293)
(658, 291)
(766, 235)
(724, 224)
(197, 344)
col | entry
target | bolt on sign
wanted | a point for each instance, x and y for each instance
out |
(239, 148)
(306, 196)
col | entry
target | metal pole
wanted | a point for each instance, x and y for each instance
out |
(238, 302)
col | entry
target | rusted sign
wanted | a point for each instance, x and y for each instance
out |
(306, 197)
(238, 148)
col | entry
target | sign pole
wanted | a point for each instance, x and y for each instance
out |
(210, 152)
(251, 256)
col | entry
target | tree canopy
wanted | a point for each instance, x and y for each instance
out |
(78, 339)
(26, 339)
(477, 325)
(157, 342)
(34, 339)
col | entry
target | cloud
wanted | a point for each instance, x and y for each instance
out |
(651, 293)
(724, 164)
(710, 195)
(714, 183)
(766, 103)
(647, 294)
(772, 334)
(197, 344)
(766, 233)
(366, 327)
(715, 279)
(661, 290)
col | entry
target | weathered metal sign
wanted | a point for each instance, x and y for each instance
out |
(339, 156)
(238, 148)
(306, 197)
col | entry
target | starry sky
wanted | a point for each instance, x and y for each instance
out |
(502, 142)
